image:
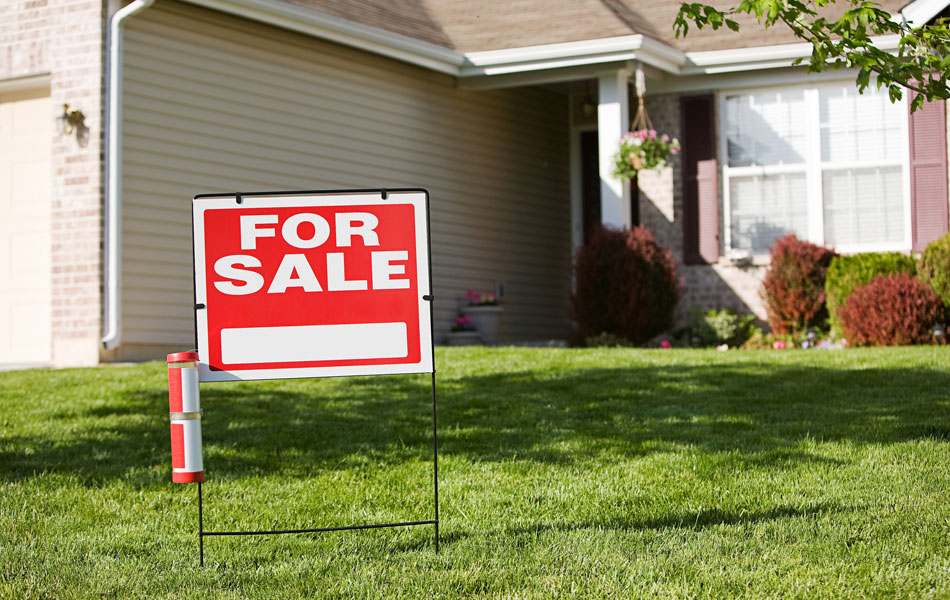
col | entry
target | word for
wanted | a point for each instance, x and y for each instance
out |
(295, 269)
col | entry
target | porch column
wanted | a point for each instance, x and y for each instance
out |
(613, 120)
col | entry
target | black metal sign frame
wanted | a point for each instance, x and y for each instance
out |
(202, 534)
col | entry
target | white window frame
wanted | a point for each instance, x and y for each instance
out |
(812, 169)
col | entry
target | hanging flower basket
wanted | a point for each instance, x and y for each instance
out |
(643, 149)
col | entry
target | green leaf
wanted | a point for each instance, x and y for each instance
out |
(922, 52)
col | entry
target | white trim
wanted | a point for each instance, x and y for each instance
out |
(739, 80)
(570, 54)
(342, 31)
(761, 57)
(813, 170)
(613, 120)
(27, 82)
(919, 12)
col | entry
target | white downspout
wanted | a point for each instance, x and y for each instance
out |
(112, 241)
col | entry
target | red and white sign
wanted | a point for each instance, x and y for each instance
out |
(312, 284)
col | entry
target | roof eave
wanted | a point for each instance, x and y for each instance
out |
(543, 61)
(335, 29)
(573, 54)
(762, 57)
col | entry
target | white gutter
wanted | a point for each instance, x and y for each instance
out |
(760, 57)
(572, 54)
(112, 242)
(335, 29)
(919, 12)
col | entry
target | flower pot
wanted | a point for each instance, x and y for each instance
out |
(463, 338)
(485, 318)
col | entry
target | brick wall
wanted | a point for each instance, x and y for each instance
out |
(719, 286)
(64, 39)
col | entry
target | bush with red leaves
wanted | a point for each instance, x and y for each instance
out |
(892, 310)
(794, 286)
(625, 286)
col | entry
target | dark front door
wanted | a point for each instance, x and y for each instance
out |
(590, 181)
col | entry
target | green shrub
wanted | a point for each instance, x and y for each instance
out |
(717, 327)
(847, 273)
(625, 285)
(933, 268)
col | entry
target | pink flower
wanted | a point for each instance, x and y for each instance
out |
(666, 344)
(665, 138)
(778, 345)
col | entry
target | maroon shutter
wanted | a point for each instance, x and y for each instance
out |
(928, 173)
(707, 184)
(700, 180)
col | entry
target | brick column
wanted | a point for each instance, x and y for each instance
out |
(76, 61)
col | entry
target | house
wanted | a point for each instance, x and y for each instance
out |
(508, 112)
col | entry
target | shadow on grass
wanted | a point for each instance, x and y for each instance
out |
(696, 520)
(757, 412)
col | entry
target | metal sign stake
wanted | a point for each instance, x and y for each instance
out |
(435, 522)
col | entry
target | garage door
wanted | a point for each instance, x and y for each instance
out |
(26, 131)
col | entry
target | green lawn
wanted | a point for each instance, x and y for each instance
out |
(563, 474)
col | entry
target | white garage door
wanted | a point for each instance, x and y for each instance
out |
(26, 131)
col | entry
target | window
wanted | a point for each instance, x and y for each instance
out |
(823, 162)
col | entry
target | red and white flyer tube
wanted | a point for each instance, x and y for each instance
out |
(185, 409)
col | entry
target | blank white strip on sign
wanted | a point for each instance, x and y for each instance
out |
(306, 343)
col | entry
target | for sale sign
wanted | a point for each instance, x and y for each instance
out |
(312, 284)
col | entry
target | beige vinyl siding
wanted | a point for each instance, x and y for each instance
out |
(218, 104)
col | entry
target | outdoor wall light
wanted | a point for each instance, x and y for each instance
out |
(73, 121)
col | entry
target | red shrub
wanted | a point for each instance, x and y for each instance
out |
(892, 310)
(625, 285)
(794, 286)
